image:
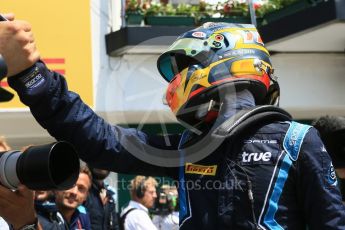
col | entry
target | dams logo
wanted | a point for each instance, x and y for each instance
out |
(201, 169)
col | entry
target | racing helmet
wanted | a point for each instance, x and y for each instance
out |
(212, 57)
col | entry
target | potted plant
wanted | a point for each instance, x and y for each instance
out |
(276, 9)
(230, 11)
(134, 12)
(170, 15)
(235, 12)
(205, 12)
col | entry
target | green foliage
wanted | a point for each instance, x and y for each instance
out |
(133, 7)
(203, 10)
(168, 9)
(273, 5)
(159, 9)
(154, 9)
(186, 9)
(233, 8)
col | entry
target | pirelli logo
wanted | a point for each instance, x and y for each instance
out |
(201, 169)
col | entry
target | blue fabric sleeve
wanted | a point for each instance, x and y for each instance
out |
(317, 184)
(66, 117)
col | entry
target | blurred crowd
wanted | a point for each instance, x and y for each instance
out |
(92, 203)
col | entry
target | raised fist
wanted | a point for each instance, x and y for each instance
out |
(17, 46)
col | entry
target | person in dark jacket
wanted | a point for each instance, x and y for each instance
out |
(242, 164)
(101, 202)
(47, 211)
(332, 133)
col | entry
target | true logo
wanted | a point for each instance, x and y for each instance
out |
(255, 157)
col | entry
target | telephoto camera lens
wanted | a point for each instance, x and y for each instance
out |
(3, 68)
(53, 166)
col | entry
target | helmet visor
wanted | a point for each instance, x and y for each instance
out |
(180, 55)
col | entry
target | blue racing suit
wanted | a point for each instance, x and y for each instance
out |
(102, 216)
(290, 190)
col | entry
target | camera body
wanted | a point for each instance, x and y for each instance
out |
(4, 94)
(53, 166)
(166, 203)
(3, 68)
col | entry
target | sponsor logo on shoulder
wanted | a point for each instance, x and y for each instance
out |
(294, 136)
(256, 157)
(33, 79)
(199, 34)
(331, 177)
(209, 170)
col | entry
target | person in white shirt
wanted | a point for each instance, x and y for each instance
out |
(167, 222)
(143, 195)
(3, 224)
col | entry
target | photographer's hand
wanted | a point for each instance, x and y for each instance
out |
(17, 45)
(17, 207)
